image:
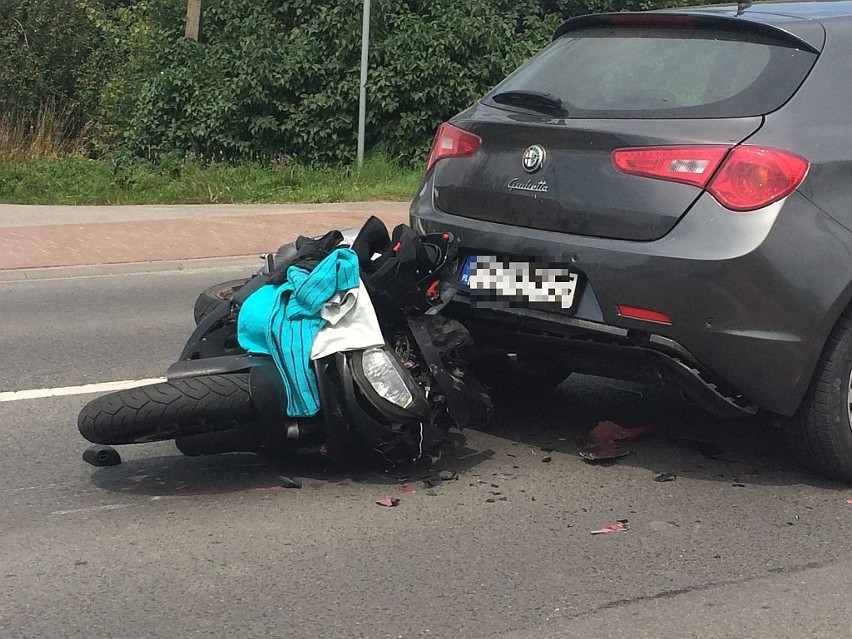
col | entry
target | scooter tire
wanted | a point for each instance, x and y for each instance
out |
(167, 410)
(215, 296)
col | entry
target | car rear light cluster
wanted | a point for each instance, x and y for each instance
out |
(452, 142)
(741, 178)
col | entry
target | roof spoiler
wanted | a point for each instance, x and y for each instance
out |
(683, 19)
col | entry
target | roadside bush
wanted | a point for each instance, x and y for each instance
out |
(53, 63)
(270, 80)
(279, 78)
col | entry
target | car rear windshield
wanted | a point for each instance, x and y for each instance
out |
(662, 72)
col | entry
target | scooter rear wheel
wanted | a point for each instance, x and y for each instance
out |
(167, 410)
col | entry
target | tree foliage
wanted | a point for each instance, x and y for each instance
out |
(49, 47)
(270, 78)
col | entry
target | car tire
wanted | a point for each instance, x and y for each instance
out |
(215, 296)
(820, 435)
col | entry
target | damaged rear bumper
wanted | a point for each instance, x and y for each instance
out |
(749, 314)
(596, 349)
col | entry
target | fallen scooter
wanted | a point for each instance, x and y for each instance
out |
(390, 402)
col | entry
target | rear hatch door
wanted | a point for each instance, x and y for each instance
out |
(549, 130)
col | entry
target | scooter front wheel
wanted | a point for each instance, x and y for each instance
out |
(215, 296)
(167, 410)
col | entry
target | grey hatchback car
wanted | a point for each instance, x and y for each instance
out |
(668, 195)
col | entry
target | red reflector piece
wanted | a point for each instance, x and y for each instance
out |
(432, 293)
(643, 314)
(687, 164)
(452, 142)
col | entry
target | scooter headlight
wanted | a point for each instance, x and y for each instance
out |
(381, 371)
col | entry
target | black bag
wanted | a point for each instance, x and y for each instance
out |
(406, 276)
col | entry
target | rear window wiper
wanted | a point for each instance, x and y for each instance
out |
(533, 100)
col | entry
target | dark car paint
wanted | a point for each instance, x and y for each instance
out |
(586, 195)
(744, 302)
(752, 296)
(817, 124)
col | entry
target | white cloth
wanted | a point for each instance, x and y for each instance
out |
(352, 324)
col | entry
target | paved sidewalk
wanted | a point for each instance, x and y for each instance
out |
(38, 237)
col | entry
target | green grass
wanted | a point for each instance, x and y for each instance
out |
(77, 180)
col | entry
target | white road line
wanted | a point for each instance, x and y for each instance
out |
(105, 387)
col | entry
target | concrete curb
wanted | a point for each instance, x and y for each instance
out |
(249, 262)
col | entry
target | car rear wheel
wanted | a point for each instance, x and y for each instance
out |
(821, 432)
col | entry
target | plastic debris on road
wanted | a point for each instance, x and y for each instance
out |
(619, 526)
(663, 477)
(601, 443)
(405, 488)
(388, 502)
(98, 455)
(289, 482)
(603, 452)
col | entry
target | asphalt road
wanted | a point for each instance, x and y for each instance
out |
(742, 544)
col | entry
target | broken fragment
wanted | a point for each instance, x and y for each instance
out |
(601, 442)
(98, 455)
(602, 452)
(663, 477)
(289, 482)
(388, 502)
(405, 488)
(610, 431)
(619, 526)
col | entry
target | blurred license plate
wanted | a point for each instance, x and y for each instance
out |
(519, 283)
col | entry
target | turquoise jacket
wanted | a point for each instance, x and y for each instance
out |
(283, 321)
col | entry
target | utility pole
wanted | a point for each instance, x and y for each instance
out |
(362, 100)
(193, 19)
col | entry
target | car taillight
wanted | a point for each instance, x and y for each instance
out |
(752, 177)
(452, 142)
(688, 164)
(742, 178)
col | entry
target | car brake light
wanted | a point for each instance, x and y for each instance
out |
(452, 142)
(649, 19)
(753, 177)
(742, 178)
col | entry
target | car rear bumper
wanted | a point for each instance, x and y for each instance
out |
(751, 296)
